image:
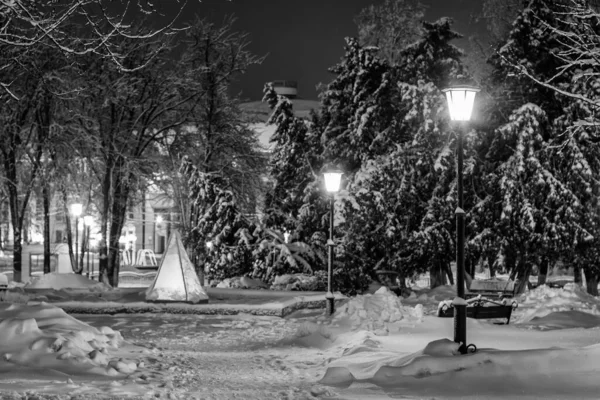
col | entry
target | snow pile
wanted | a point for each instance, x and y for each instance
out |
(440, 371)
(544, 300)
(381, 312)
(66, 281)
(44, 339)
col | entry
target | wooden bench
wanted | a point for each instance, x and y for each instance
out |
(558, 283)
(480, 308)
(491, 288)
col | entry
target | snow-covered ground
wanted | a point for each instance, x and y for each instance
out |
(375, 346)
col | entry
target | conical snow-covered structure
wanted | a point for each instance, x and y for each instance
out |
(176, 279)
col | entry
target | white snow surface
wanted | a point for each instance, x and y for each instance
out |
(375, 346)
(66, 281)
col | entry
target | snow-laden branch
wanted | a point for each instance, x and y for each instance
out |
(574, 29)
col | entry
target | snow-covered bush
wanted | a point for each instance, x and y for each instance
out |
(317, 282)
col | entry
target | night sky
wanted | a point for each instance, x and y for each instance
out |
(302, 39)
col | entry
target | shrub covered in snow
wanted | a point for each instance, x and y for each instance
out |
(301, 282)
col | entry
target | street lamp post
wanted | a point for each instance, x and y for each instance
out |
(332, 185)
(88, 220)
(460, 104)
(76, 210)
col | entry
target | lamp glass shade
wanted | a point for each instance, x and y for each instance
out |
(88, 220)
(333, 180)
(76, 209)
(460, 102)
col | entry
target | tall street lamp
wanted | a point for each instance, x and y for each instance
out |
(333, 177)
(88, 220)
(460, 104)
(76, 209)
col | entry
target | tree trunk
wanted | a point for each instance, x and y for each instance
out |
(69, 230)
(524, 269)
(543, 273)
(122, 182)
(437, 275)
(490, 261)
(103, 245)
(15, 216)
(591, 277)
(447, 267)
(577, 275)
(46, 201)
(83, 247)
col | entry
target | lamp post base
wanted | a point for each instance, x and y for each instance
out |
(460, 329)
(329, 303)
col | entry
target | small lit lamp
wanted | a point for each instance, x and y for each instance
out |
(333, 178)
(286, 236)
(460, 99)
(76, 210)
(88, 220)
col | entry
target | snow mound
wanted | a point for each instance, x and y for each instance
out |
(380, 312)
(66, 281)
(544, 300)
(42, 336)
(439, 369)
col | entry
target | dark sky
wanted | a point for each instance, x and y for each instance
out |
(303, 38)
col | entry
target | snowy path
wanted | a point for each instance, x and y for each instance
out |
(217, 357)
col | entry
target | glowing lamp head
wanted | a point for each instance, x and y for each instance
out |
(460, 101)
(88, 220)
(76, 209)
(333, 178)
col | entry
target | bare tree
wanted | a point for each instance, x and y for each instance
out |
(27, 23)
(122, 115)
(575, 26)
(391, 26)
(217, 139)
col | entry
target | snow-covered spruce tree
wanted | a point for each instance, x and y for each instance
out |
(577, 162)
(535, 52)
(291, 163)
(387, 126)
(540, 214)
(216, 219)
(429, 65)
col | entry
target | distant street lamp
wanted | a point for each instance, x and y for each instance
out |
(333, 177)
(460, 104)
(76, 210)
(88, 220)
